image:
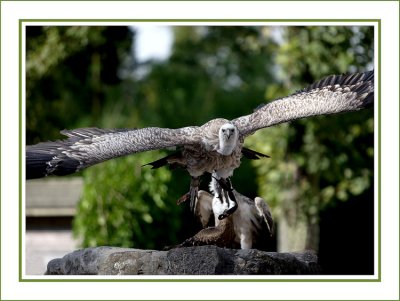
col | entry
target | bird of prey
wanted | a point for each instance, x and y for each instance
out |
(215, 146)
(250, 226)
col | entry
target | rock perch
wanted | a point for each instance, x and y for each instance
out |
(201, 260)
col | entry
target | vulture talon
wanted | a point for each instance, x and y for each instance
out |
(183, 199)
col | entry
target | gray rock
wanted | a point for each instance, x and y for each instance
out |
(202, 260)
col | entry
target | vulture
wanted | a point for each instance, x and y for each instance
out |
(250, 226)
(214, 147)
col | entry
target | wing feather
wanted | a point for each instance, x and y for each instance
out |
(333, 94)
(88, 146)
(264, 212)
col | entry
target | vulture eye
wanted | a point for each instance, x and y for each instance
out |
(223, 130)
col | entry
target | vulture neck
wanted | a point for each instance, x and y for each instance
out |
(226, 147)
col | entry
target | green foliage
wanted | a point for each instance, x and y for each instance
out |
(125, 204)
(70, 75)
(310, 53)
(318, 161)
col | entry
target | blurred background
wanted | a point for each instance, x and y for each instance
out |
(318, 181)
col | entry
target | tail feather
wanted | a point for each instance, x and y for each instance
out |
(170, 161)
(173, 160)
(253, 155)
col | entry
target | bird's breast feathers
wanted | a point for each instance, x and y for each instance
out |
(200, 161)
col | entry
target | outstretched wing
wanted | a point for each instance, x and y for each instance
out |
(88, 146)
(334, 94)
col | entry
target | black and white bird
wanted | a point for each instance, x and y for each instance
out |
(215, 146)
(250, 226)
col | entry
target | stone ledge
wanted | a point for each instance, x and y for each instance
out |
(202, 260)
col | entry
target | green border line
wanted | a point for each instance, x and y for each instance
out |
(378, 24)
